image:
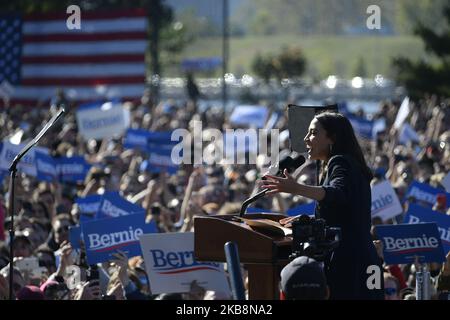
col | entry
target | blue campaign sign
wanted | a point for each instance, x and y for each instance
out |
(113, 205)
(379, 125)
(201, 63)
(3, 174)
(403, 243)
(72, 169)
(75, 236)
(64, 169)
(418, 214)
(104, 237)
(160, 140)
(45, 167)
(160, 137)
(89, 205)
(308, 209)
(249, 115)
(84, 217)
(149, 141)
(425, 193)
(161, 159)
(136, 139)
(343, 108)
(362, 127)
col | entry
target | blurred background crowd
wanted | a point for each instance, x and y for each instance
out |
(44, 210)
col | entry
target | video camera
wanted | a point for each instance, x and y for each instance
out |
(312, 238)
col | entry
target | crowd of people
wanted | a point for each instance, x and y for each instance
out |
(45, 210)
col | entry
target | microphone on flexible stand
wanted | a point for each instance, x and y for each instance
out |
(13, 172)
(288, 163)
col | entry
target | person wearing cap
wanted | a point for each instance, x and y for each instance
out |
(303, 279)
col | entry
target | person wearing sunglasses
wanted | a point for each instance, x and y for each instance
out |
(60, 231)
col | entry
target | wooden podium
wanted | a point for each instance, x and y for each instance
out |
(263, 255)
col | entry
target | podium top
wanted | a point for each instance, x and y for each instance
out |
(211, 234)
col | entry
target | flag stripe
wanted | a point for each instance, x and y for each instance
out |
(81, 37)
(70, 49)
(82, 70)
(88, 15)
(32, 103)
(110, 25)
(82, 81)
(80, 93)
(55, 59)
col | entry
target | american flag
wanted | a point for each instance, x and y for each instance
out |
(105, 59)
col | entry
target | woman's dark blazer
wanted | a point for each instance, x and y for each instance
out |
(347, 205)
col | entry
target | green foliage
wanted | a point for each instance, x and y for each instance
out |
(306, 17)
(196, 26)
(408, 13)
(420, 77)
(263, 23)
(32, 6)
(262, 66)
(289, 63)
(321, 52)
(174, 39)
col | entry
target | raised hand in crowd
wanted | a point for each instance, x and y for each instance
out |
(196, 291)
(443, 283)
(121, 262)
(188, 209)
(379, 246)
(56, 190)
(66, 258)
(90, 290)
(445, 271)
(117, 292)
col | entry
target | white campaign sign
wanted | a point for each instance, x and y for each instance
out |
(171, 268)
(402, 113)
(27, 164)
(106, 121)
(385, 203)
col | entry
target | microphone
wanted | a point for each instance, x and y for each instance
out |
(288, 163)
(13, 171)
(291, 164)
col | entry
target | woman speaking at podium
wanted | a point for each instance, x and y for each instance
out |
(343, 200)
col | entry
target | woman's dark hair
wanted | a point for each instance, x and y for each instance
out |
(340, 130)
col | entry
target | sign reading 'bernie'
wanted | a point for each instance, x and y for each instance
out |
(408, 243)
(103, 237)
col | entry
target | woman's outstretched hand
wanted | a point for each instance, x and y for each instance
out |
(280, 184)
